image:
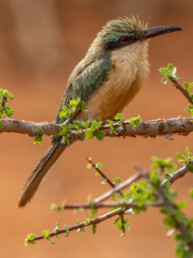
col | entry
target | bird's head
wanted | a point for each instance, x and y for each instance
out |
(125, 31)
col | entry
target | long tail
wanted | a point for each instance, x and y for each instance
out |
(39, 172)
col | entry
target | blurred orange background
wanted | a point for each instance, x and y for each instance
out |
(40, 43)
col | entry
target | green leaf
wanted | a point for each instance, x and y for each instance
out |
(191, 193)
(89, 165)
(87, 222)
(104, 182)
(98, 174)
(93, 212)
(116, 221)
(9, 95)
(94, 125)
(64, 131)
(155, 179)
(67, 230)
(63, 114)
(180, 156)
(82, 106)
(46, 234)
(187, 86)
(190, 109)
(30, 239)
(63, 205)
(169, 222)
(164, 80)
(75, 102)
(119, 117)
(111, 125)
(89, 134)
(135, 121)
(56, 230)
(99, 165)
(129, 211)
(168, 73)
(81, 230)
(54, 207)
(81, 137)
(94, 229)
(126, 224)
(100, 135)
(181, 205)
(38, 140)
(116, 180)
(9, 111)
(113, 197)
(1, 125)
(40, 131)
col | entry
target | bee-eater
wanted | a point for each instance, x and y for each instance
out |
(106, 79)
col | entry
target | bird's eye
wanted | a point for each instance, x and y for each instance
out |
(124, 40)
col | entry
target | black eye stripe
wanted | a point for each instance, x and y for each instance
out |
(123, 41)
(113, 45)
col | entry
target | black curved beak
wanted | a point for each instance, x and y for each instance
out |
(156, 31)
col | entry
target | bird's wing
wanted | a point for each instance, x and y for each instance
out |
(86, 82)
(91, 79)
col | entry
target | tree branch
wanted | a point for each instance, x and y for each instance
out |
(157, 203)
(103, 175)
(181, 226)
(141, 174)
(122, 185)
(178, 174)
(152, 128)
(121, 206)
(183, 91)
(82, 225)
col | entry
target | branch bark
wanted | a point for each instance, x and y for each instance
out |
(183, 91)
(119, 211)
(152, 128)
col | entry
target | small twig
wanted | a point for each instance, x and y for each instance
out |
(82, 225)
(100, 172)
(141, 171)
(178, 224)
(99, 219)
(122, 185)
(183, 91)
(4, 101)
(94, 205)
(122, 222)
(105, 205)
(112, 185)
(103, 175)
(119, 211)
(178, 174)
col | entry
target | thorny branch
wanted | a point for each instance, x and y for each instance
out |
(100, 172)
(178, 174)
(112, 185)
(178, 224)
(152, 128)
(97, 202)
(183, 91)
(103, 175)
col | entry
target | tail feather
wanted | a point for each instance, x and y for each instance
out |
(39, 172)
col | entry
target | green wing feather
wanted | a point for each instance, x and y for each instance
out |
(91, 79)
(86, 82)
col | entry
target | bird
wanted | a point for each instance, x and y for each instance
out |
(106, 79)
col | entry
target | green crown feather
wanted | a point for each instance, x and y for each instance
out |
(125, 26)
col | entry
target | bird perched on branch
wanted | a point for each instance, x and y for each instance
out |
(107, 79)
